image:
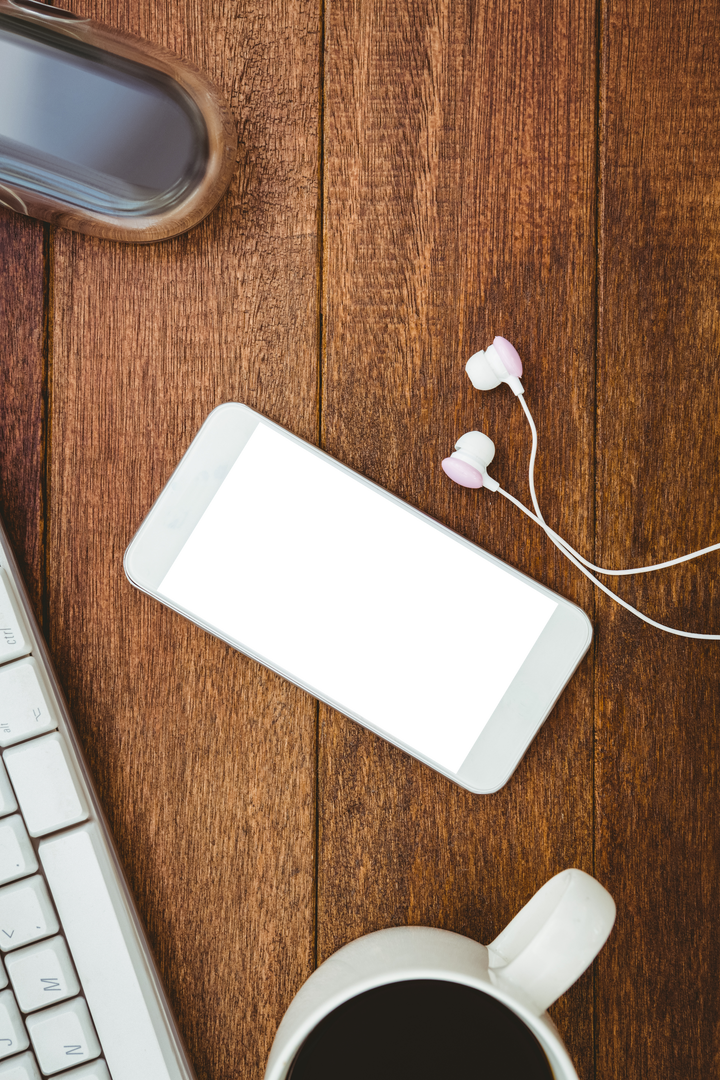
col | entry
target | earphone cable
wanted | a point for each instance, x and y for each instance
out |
(533, 455)
(559, 541)
(603, 588)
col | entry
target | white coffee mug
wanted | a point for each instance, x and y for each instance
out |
(541, 953)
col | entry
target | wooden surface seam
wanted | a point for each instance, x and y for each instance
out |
(413, 177)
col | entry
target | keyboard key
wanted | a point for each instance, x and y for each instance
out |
(8, 802)
(13, 1036)
(45, 784)
(42, 974)
(63, 1035)
(96, 1070)
(3, 977)
(24, 710)
(17, 858)
(13, 641)
(96, 925)
(23, 1067)
(26, 913)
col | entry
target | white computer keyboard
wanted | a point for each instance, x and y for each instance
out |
(79, 992)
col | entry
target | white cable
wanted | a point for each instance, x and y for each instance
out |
(533, 454)
(559, 541)
(636, 570)
(603, 588)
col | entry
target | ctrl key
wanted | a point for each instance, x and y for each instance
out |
(63, 1036)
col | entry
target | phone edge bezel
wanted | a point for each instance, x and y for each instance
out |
(565, 671)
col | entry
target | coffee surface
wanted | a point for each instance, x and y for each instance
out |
(418, 1030)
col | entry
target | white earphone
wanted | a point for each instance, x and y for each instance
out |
(474, 451)
(499, 363)
(468, 465)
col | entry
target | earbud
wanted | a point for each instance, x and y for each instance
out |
(468, 465)
(497, 364)
(474, 452)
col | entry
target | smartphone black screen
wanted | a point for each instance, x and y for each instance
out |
(354, 595)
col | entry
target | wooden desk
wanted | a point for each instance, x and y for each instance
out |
(413, 179)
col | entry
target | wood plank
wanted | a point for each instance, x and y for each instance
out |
(24, 348)
(205, 762)
(459, 204)
(658, 833)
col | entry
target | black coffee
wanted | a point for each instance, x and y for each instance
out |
(425, 1029)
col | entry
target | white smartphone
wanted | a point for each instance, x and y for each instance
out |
(363, 601)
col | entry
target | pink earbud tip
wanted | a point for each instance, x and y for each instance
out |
(462, 473)
(509, 355)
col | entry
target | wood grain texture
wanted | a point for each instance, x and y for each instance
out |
(205, 762)
(459, 201)
(23, 368)
(658, 697)
(458, 190)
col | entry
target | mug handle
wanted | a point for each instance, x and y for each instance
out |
(552, 940)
